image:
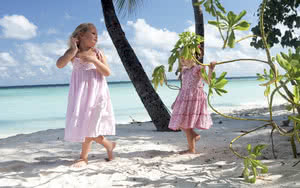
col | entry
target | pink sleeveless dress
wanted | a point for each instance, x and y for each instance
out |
(89, 111)
(190, 106)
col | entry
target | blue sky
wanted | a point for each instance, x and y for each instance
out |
(33, 34)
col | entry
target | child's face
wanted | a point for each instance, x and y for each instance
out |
(185, 62)
(90, 37)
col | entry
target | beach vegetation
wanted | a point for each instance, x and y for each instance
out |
(273, 80)
(277, 15)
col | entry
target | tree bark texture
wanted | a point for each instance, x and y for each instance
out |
(199, 23)
(151, 100)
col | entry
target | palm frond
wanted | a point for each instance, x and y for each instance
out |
(127, 7)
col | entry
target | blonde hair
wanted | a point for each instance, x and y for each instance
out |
(82, 28)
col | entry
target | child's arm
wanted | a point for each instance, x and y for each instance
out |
(210, 71)
(69, 54)
(101, 64)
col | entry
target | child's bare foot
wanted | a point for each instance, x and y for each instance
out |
(187, 152)
(110, 151)
(80, 163)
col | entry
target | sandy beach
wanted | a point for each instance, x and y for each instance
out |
(147, 158)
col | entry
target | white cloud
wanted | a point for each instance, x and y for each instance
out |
(35, 55)
(148, 36)
(4, 74)
(17, 27)
(56, 48)
(104, 40)
(6, 60)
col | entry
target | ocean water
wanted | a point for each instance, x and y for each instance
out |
(30, 109)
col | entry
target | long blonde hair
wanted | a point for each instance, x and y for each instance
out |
(82, 28)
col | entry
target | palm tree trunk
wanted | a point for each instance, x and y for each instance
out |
(199, 23)
(151, 100)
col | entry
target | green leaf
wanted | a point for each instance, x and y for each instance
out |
(239, 17)
(204, 75)
(293, 118)
(242, 26)
(258, 148)
(199, 3)
(260, 77)
(218, 92)
(252, 180)
(216, 23)
(264, 170)
(246, 162)
(289, 107)
(222, 91)
(285, 56)
(254, 171)
(221, 84)
(171, 62)
(222, 16)
(185, 52)
(158, 76)
(267, 91)
(219, 5)
(222, 76)
(231, 40)
(249, 148)
(246, 173)
(296, 94)
(231, 17)
(273, 59)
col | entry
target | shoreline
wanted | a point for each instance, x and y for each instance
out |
(238, 112)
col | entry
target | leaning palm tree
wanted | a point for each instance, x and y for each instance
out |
(156, 109)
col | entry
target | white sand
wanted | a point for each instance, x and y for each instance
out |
(147, 158)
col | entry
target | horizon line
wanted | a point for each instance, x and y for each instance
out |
(111, 82)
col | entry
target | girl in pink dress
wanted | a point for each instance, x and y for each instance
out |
(190, 106)
(89, 112)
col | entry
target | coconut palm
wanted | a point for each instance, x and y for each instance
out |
(151, 100)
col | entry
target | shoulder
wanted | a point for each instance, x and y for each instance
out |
(98, 50)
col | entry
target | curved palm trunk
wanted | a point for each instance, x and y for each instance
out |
(199, 22)
(152, 102)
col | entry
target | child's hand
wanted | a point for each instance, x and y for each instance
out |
(74, 47)
(90, 58)
(74, 42)
(212, 65)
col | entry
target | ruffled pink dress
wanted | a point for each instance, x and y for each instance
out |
(190, 106)
(89, 111)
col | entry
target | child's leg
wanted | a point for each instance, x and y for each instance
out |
(109, 146)
(191, 141)
(86, 146)
(197, 136)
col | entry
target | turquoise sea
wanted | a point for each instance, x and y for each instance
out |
(30, 109)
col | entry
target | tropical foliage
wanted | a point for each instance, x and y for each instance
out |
(279, 13)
